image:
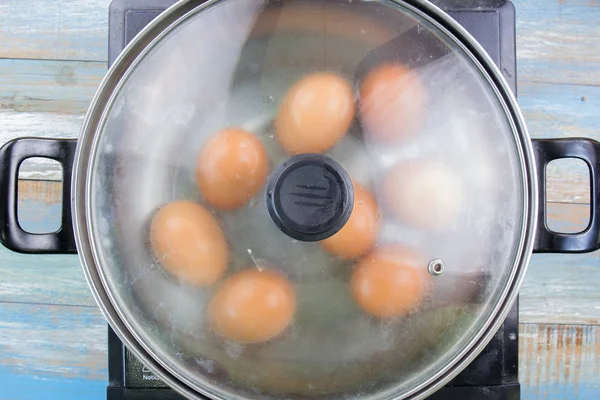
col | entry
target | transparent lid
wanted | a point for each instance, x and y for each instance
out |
(317, 199)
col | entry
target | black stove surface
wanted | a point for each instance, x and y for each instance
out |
(494, 373)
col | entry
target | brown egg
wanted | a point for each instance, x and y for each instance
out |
(188, 241)
(231, 168)
(392, 103)
(315, 113)
(424, 195)
(389, 281)
(252, 306)
(358, 235)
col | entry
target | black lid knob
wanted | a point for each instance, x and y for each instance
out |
(310, 197)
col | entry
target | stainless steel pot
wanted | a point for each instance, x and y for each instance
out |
(460, 192)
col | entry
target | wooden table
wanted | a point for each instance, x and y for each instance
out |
(52, 336)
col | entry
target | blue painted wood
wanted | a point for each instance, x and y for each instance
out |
(39, 217)
(28, 387)
(557, 288)
(52, 352)
(559, 361)
(558, 41)
(61, 350)
(566, 53)
(49, 86)
(15, 124)
(58, 352)
(553, 111)
(550, 111)
(54, 29)
(42, 279)
(560, 110)
(561, 288)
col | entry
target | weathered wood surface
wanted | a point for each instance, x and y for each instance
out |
(557, 41)
(559, 68)
(52, 338)
(52, 352)
(55, 125)
(49, 85)
(54, 30)
(559, 288)
(559, 361)
(59, 352)
(562, 288)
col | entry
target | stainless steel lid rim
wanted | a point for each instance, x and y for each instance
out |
(80, 189)
(525, 149)
(86, 153)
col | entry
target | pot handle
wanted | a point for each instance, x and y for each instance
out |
(587, 150)
(12, 236)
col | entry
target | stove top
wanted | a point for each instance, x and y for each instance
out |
(494, 373)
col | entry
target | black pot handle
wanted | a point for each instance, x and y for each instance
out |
(587, 150)
(12, 236)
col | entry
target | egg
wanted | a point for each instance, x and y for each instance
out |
(424, 195)
(253, 305)
(359, 233)
(315, 113)
(392, 103)
(389, 281)
(231, 168)
(188, 242)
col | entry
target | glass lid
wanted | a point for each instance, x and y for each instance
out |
(306, 199)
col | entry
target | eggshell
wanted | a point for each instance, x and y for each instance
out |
(392, 103)
(424, 195)
(188, 242)
(315, 113)
(389, 281)
(231, 168)
(359, 233)
(253, 305)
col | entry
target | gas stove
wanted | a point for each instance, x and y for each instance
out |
(494, 373)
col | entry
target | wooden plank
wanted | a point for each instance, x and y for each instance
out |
(558, 41)
(44, 278)
(49, 86)
(555, 111)
(550, 111)
(52, 352)
(559, 362)
(567, 218)
(68, 86)
(15, 124)
(568, 181)
(57, 352)
(54, 29)
(49, 125)
(557, 289)
(562, 288)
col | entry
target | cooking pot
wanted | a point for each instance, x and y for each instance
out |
(302, 199)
